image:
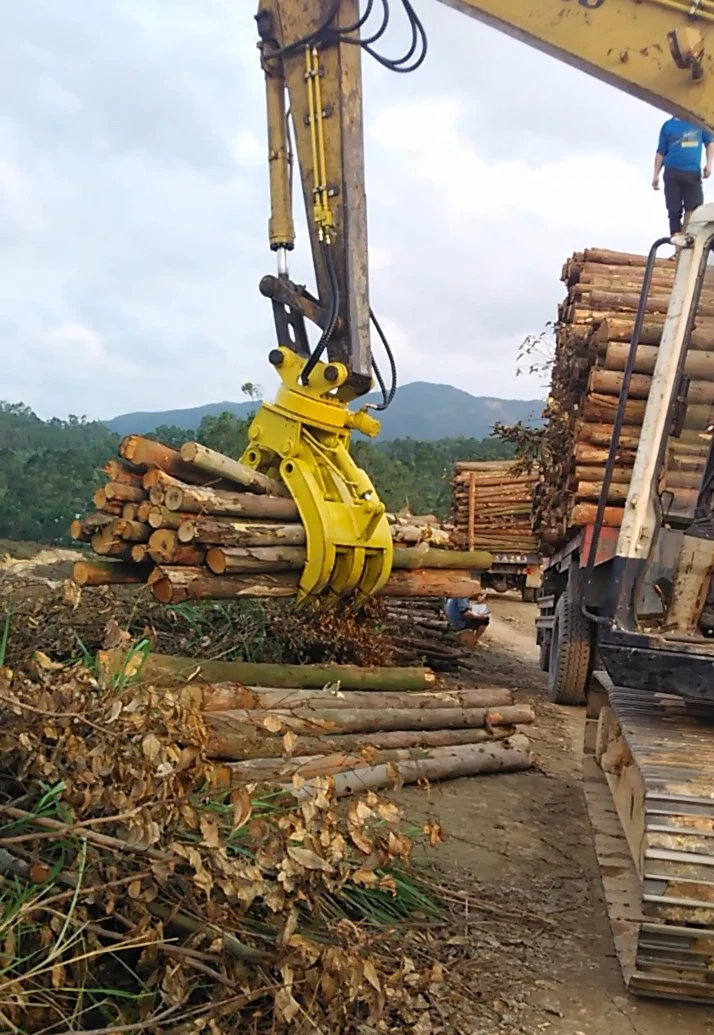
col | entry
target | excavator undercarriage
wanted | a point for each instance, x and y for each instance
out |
(648, 774)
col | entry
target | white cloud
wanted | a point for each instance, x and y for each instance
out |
(134, 202)
(82, 346)
(430, 143)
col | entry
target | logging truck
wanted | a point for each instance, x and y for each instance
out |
(491, 506)
(519, 571)
(599, 397)
(565, 637)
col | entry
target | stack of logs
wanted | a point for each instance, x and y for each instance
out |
(416, 529)
(365, 728)
(593, 334)
(492, 506)
(196, 525)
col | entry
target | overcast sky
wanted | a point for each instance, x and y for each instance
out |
(133, 201)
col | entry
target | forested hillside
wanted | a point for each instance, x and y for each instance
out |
(49, 469)
(437, 411)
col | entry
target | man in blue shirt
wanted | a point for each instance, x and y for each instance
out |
(679, 151)
(464, 614)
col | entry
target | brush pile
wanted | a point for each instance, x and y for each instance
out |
(595, 326)
(323, 715)
(198, 525)
(146, 888)
(491, 505)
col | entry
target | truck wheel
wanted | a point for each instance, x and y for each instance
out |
(570, 654)
(528, 594)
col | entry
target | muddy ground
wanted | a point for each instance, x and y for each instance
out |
(539, 956)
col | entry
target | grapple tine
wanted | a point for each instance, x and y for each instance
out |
(304, 435)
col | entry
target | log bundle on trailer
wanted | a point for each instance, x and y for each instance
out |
(364, 728)
(491, 506)
(194, 524)
(592, 341)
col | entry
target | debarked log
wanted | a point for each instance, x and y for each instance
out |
(218, 465)
(231, 695)
(321, 721)
(469, 760)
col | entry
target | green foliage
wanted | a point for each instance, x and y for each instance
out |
(171, 435)
(49, 469)
(226, 434)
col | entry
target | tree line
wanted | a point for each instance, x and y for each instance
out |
(49, 469)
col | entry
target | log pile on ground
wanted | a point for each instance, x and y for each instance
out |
(147, 888)
(593, 333)
(362, 727)
(198, 525)
(491, 506)
(415, 529)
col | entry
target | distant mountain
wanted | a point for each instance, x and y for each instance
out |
(142, 423)
(420, 410)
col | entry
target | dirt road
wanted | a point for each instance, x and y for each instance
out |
(534, 952)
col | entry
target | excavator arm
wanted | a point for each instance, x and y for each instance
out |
(311, 55)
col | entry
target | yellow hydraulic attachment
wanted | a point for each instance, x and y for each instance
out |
(303, 439)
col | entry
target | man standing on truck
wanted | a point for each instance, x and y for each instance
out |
(679, 152)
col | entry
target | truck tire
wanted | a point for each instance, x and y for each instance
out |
(570, 654)
(528, 594)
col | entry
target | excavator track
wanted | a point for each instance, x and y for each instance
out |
(648, 775)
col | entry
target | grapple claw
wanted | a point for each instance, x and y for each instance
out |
(303, 439)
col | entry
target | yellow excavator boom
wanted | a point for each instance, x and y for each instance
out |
(655, 50)
(311, 55)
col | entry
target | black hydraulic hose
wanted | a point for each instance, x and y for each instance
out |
(312, 36)
(360, 21)
(418, 35)
(394, 64)
(364, 41)
(387, 397)
(317, 352)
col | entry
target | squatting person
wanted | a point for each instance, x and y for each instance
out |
(468, 616)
